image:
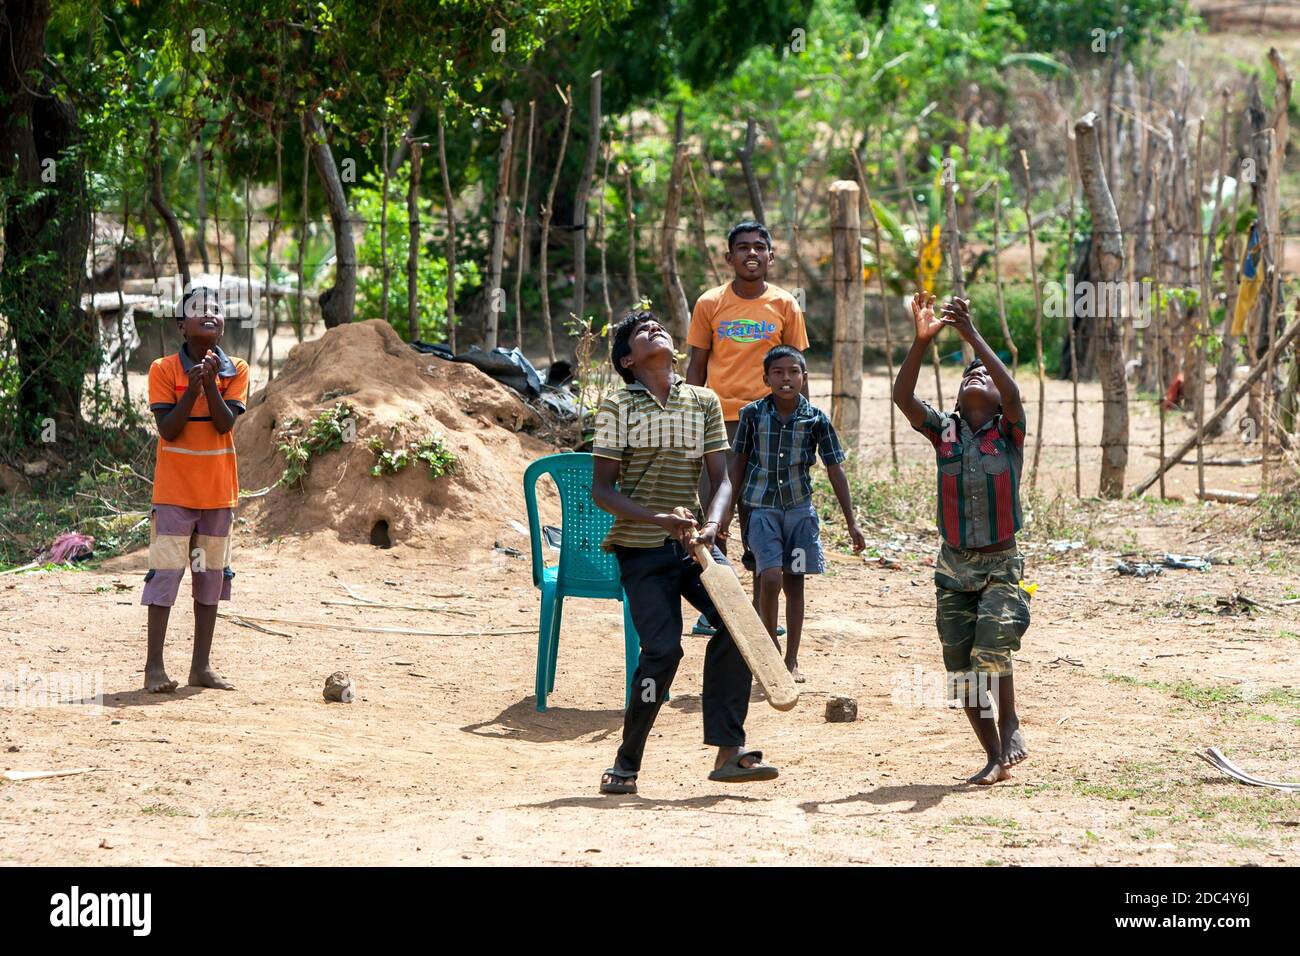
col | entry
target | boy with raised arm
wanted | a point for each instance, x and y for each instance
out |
(979, 452)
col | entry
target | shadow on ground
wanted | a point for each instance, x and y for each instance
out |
(139, 697)
(922, 797)
(631, 801)
(521, 721)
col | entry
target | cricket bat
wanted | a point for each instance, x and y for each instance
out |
(747, 630)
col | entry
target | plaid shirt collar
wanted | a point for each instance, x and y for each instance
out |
(782, 452)
(804, 410)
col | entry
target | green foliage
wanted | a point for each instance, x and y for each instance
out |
(432, 452)
(1277, 515)
(104, 492)
(1073, 26)
(1019, 300)
(327, 431)
(387, 461)
(431, 269)
(593, 375)
(900, 498)
(435, 455)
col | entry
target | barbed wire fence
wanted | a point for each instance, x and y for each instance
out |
(242, 272)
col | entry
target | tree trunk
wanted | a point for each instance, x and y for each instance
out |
(788, 185)
(600, 243)
(547, 211)
(399, 155)
(413, 246)
(746, 155)
(884, 294)
(580, 202)
(164, 210)
(496, 295)
(701, 229)
(302, 238)
(954, 244)
(673, 290)
(203, 200)
(846, 370)
(338, 302)
(521, 265)
(1106, 265)
(44, 241)
(451, 231)
(383, 230)
(1038, 321)
(634, 291)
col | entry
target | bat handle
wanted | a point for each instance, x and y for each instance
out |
(703, 554)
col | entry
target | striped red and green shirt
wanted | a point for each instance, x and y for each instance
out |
(979, 477)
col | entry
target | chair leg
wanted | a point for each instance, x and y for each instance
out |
(555, 642)
(544, 631)
(631, 650)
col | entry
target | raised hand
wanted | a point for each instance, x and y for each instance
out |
(956, 314)
(927, 325)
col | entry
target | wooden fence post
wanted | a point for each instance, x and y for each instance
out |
(846, 368)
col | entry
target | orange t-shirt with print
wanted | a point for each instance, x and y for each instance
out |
(737, 333)
(198, 469)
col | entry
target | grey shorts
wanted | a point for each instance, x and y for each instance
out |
(789, 540)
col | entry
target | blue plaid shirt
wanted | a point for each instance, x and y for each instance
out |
(781, 454)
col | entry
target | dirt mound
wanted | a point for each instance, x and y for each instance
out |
(401, 398)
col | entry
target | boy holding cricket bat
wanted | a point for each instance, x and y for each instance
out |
(653, 437)
(982, 608)
(777, 443)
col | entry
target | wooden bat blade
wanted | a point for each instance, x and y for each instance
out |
(750, 636)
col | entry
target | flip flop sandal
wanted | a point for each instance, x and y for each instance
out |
(624, 781)
(733, 772)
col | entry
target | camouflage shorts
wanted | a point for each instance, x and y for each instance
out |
(982, 612)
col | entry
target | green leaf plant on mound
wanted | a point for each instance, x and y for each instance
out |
(327, 431)
(432, 451)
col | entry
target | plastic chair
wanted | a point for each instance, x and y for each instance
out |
(584, 569)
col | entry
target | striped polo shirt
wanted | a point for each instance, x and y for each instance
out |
(660, 450)
(198, 469)
(979, 477)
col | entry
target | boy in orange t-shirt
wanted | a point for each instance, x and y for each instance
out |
(732, 328)
(195, 396)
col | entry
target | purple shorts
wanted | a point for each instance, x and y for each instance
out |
(188, 537)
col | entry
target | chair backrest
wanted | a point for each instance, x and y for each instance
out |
(585, 569)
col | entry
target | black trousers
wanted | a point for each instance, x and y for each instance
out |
(655, 581)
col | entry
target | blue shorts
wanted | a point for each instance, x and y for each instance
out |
(789, 540)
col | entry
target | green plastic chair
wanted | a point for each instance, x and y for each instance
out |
(584, 569)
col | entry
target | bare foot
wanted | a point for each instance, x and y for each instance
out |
(995, 772)
(156, 681)
(794, 672)
(209, 678)
(1013, 743)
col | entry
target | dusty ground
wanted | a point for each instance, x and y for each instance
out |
(444, 758)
